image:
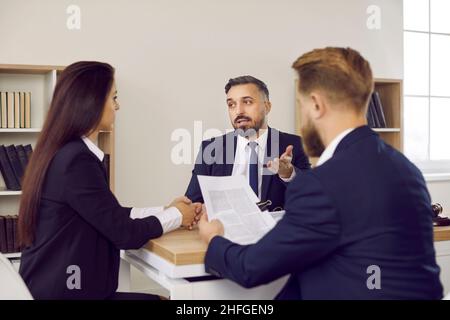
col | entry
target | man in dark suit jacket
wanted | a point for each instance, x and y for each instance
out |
(359, 225)
(270, 165)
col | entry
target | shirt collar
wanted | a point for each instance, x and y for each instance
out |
(261, 141)
(93, 147)
(327, 154)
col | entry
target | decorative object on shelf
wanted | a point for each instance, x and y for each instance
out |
(437, 219)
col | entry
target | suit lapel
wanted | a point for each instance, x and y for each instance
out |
(227, 167)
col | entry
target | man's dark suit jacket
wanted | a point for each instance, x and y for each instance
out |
(360, 220)
(80, 229)
(223, 149)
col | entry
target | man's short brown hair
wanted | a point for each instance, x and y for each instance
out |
(342, 73)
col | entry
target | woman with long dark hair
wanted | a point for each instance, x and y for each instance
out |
(71, 226)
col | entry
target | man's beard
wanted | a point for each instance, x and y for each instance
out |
(248, 131)
(314, 146)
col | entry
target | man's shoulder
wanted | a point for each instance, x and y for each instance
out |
(368, 157)
(219, 139)
(284, 136)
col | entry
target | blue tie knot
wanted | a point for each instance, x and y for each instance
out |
(253, 145)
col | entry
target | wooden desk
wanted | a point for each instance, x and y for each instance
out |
(175, 261)
(442, 233)
(174, 258)
(184, 247)
(180, 247)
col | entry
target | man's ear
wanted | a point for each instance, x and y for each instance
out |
(267, 106)
(319, 107)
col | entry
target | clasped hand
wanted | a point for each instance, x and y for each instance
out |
(191, 212)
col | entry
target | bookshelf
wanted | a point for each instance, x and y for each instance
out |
(390, 91)
(40, 80)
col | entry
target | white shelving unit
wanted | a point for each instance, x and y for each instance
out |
(40, 81)
(15, 255)
(31, 130)
(4, 192)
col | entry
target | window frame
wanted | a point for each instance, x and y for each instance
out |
(432, 169)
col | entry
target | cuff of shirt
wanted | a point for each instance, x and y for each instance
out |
(169, 218)
(293, 174)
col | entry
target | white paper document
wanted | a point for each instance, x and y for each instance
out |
(231, 200)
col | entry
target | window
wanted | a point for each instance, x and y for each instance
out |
(427, 83)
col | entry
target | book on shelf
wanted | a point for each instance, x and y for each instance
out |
(375, 114)
(7, 172)
(9, 234)
(370, 116)
(3, 111)
(10, 109)
(13, 162)
(28, 151)
(27, 110)
(22, 109)
(22, 156)
(15, 110)
(3, 243)
(16, 246)
(379, 109)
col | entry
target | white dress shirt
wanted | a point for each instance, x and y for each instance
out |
(242, 159)
(169, 218)
(327, 154)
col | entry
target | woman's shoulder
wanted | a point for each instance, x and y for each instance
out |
(75, 149)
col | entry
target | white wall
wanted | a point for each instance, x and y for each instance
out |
(173, 58)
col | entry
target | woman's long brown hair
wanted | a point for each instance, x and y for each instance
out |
(76, 110)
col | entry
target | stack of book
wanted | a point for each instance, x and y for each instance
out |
(375, 114)
(8, 234)
(15, 110)
(13, 161)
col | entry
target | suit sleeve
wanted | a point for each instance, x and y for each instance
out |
(87, 192)
(300, 160)
(308, 232)
(193, 191)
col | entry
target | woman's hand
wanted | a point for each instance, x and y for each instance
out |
(191, 212)
(183, 199)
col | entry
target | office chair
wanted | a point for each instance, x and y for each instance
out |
(13, 287)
